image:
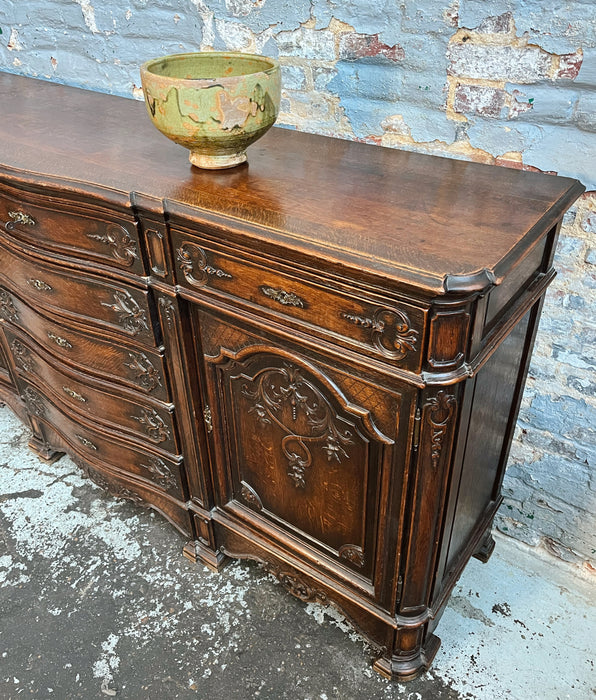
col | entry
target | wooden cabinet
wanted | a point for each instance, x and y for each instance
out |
(314, 360)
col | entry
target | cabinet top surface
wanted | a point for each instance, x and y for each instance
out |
(414, 218)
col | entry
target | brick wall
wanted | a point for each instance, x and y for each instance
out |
(508, 82)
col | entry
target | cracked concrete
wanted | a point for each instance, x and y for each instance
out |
(97, 601)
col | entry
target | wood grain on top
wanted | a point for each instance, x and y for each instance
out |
(414, 218)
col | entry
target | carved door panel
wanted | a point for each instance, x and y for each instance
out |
(306, 447)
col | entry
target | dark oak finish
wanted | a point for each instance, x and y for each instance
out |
(314, 360)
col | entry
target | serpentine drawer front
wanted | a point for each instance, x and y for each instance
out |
(393, 331)
(55, 223)
(314, 361)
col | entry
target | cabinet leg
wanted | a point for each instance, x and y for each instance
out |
(199, 554)
(485, 547)
(407, 666)
(44, 450)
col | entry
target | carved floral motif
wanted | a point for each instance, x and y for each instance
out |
(161, 473)
(130, 315)
(440, 409)
(285, 386)
(250, 496)
(34, 401)
(22, 356)
(143, 370)
(7, 308)
(169, 311)
(153, 424)
(296, 585)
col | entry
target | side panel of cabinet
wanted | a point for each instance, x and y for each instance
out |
(492, 403)
(307, 450)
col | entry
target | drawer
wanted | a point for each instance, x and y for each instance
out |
(115, 307)
(131, 365)
(390, 330)
(114, 452)
(83, 230)
(100, 402)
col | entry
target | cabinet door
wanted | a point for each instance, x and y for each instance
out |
(311, 451)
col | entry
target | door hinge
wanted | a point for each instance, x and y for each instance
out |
(208, 419)
(400, 588)
(417, 421)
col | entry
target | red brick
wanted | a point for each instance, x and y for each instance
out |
(479, 99)
(353, 46)
(570, 65)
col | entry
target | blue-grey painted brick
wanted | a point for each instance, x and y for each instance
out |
(587, 73)
(367, 81)
(293, 77)
(426, 18)
(555, 30)
(563, 149)
(426, 123)
(552, 103)
(322, 75)
(498, 137)
(585, 113)
(283, 14)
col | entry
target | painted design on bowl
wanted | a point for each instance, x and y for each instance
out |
(231, 101)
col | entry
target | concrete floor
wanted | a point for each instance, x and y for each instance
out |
(97, 601)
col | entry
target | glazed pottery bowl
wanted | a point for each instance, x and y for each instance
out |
(213, 103)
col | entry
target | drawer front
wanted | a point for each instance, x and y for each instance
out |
(133, 366)
(153, 423)
(87, 299)
(392, 331)
(84, 230)
(89, 442)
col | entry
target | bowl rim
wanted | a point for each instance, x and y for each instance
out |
(146, 67)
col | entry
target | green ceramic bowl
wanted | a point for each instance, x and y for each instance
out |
(213, 103)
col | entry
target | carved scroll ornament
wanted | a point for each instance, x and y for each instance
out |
(391, 331)
(116, 237)
(194, 265)
(274, 388)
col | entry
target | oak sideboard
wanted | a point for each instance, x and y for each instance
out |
(314, 360)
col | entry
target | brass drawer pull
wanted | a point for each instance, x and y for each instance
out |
(40, 285)
(87, 443)
(283, 297)
(61, 342)
(18, 217)
(73, 394)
